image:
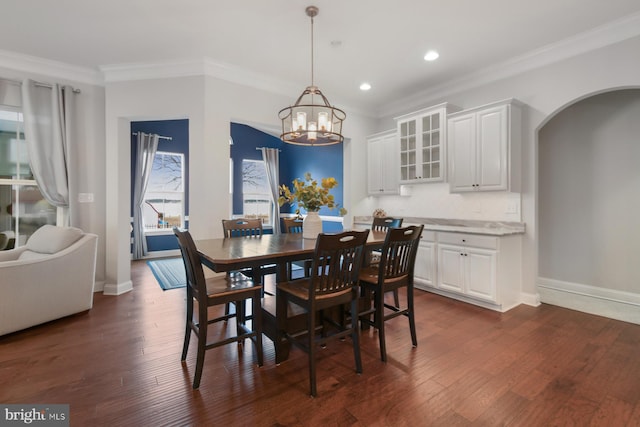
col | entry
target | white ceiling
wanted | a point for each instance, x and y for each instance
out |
(381, 42)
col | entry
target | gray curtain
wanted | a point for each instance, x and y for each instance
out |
(146, 147)
(271, 157)
(47, 125)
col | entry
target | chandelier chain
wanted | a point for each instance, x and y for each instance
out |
(312, 81)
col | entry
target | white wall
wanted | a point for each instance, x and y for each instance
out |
(589, 197)
(137, 101)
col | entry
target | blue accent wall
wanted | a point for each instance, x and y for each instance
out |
(245, 141)
(295, 161)
(178, 130)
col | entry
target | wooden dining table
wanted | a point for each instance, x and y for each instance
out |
(238, 253)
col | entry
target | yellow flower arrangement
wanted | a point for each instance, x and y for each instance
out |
(308, 195)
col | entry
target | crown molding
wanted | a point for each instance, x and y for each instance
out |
(207, 67)
(152, 70)
(49, 68)
(194, 67)
(605, 35)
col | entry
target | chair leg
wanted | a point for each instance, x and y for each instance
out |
(311, 327)
(256, 324)
(241, 317)
(396, 298)
(187, 332)
(281, 325)
(365, 294)
(202, 342)
(412, 320)
(379, 322)
(355, 336)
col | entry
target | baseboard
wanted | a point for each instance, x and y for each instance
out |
(160, 254)
(609, 303)
(118, 289)
(525, 298)
(530, 299)
(98, 286)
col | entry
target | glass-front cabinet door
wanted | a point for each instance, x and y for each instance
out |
(431, 169)
(408, 150)
(422, 139)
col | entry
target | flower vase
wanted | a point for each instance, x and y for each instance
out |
(311, 225)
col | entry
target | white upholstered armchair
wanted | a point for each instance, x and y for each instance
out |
(52, 276)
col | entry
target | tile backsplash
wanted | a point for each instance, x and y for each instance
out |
(435, 201)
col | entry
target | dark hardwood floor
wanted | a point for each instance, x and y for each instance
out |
(119, 365)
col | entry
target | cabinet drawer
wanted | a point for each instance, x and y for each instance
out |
(472, 240)
(428, 236)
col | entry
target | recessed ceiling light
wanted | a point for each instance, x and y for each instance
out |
(365, 86)
(432, 55)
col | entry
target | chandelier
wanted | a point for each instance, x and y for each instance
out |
(312, 120)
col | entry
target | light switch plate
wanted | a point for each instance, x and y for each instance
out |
(85, 197)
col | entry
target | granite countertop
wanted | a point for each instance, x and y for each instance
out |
(493, 228)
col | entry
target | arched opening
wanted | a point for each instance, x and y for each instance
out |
(588, 204)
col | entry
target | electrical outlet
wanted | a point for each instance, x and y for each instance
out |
(512, 207)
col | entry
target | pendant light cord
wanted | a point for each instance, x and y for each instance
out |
(312, 80)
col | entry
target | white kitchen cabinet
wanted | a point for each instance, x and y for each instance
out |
(484, 148)
(382, 161)
(469, 271)
(423, 136)
(480, 269)
(425, 266)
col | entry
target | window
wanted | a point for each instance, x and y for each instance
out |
(164, 198)
(23, 209)
(256, 196)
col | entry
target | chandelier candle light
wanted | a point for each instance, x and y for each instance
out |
(309, 121)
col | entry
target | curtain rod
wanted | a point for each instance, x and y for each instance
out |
(159, 136)
(19, 83)
(260, 148)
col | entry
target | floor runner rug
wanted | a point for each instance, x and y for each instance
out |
(169, 272)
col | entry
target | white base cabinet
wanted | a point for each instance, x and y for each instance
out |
(425, 267)
(479, 269)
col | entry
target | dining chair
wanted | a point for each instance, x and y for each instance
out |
(242, 227)
(384, 224)
(333, 283)
(394, 271)
(212, 291)
(248, 228)
(294, 225)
